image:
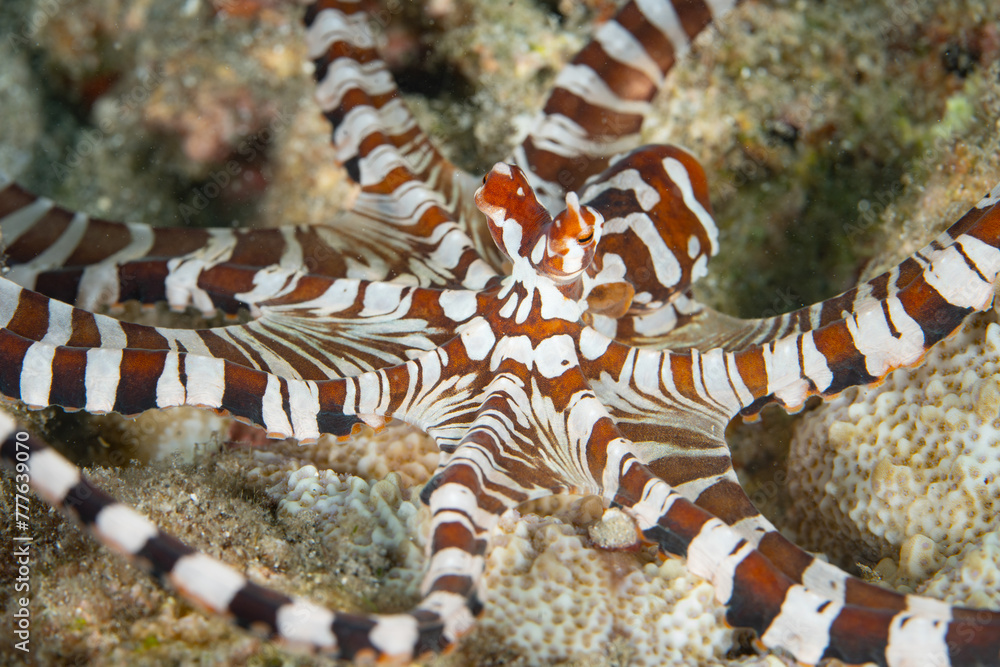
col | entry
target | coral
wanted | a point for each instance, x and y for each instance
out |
(972, 575)
(551, 595)
(373, 525)
(550, 591)
(910, 470)
(397, 448)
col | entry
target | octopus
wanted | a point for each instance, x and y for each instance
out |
(546, 355)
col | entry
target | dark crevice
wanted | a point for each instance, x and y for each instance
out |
(434, 79)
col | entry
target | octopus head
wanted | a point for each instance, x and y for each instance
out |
(560, 249)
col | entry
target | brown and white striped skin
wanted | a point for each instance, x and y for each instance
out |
(93, 262)
(600, 98)
(214, 586)
(528, 327)
(385, 151)
(536, 383)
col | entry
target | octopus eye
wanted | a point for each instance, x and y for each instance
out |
(484, 179)
(585, 238)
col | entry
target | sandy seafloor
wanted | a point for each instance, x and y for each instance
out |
(837, 136)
